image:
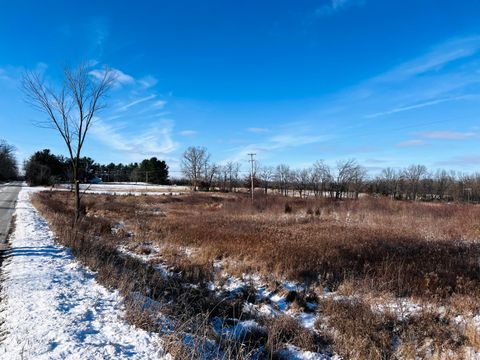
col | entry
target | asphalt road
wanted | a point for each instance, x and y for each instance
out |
(8, 197)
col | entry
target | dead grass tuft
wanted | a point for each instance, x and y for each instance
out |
(284, 330)
(360, 333)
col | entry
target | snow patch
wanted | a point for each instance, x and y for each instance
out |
(52, 307)
(293, 353)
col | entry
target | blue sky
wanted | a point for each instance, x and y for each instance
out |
(389, 83)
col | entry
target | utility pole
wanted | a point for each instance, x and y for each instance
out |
(252, 160)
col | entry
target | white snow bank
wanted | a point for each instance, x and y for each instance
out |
(53, 308)
(293, 353)
(128, 189)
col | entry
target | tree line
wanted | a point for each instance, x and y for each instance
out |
(347, 179)
(8, 162)
(46, 168)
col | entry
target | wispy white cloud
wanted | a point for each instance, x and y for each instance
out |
(411, 143)
(148, 81)
(415, 106)
(275, 143)
(188, 132)
(443, 75)
(331, 7)
(120, 77)
(155, 140)
(257, 130)
(123, 79)
(159, 104)
(435, 59)
(285, 141)
(136, 88)
(436, 135)
(99, 32)
(93, 62)
(447, 135)
(136, 102)
(463, 160)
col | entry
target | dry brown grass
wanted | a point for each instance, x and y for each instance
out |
(286, 330)
(361, 333)
(424, 250)
(408, 248)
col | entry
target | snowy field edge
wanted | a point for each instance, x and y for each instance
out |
(52, 307)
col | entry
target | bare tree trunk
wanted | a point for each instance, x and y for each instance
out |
(77, 201)
(76, 190)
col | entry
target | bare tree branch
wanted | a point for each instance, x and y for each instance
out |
(70, 109)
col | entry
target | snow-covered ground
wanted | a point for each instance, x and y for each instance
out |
(130, 189)
(52, 307)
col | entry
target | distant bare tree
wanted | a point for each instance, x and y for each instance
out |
(194, 161)
(389, 182)
(301, 178)
(413, 175)
(282, 177)
(357, 180)
(468, 187)
(222, 178)
(234, 175)
(444, 181)
(231, 173)
(8, 163)
(350, 176)
(210, 172)
(266, 175)
(70, 109)
(321, 178)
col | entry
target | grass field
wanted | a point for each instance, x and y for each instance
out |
(370, 278)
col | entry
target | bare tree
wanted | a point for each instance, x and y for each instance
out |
(444, 181)
(357, 180)
(194, 162)
(234, 175)
(8, 163)
(301, 179)
(70, 109)
(389, 182)
(210, 171)
(467, 187)
(282, 177)
(227, 175)
(321, 178)
(349, 176)
(413, 175)
(222, 177)
(230, 175)
(265, 174)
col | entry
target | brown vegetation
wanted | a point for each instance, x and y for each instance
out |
(362, 333)
(368, 246)
(408, 248)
